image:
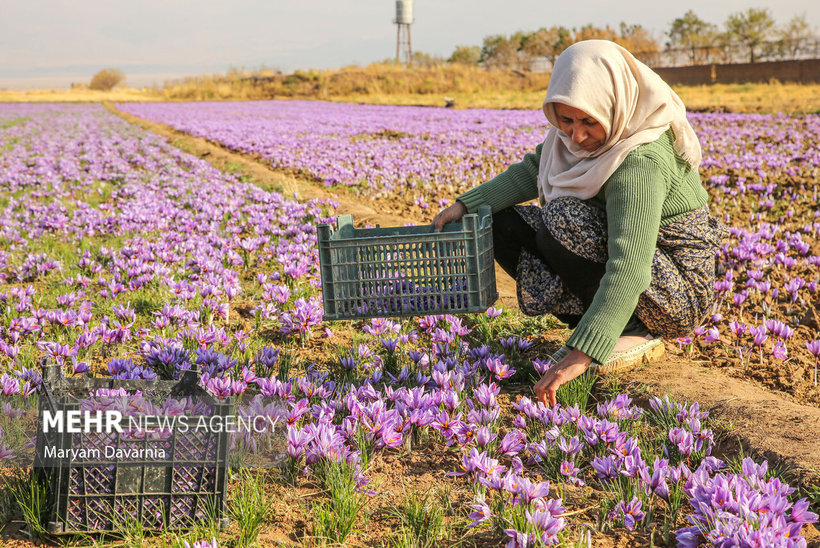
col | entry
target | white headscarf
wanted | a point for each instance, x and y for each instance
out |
(632, 103)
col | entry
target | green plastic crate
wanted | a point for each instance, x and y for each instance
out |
(411, 270)
(180, 481)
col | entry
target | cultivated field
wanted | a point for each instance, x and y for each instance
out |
(126, 253)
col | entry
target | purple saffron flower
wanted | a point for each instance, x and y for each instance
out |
(779, 329)
(526, 491)
(474, 461)
(457, 327)
(712, 335)
(500, 369)
(79, 367)
(759, 335)
(168, 362)
(221, 387)
(509, 342)
(569, 469)
(682, 438)
(801, 514)
(5, 453)
(486, 394)
(348, 363)
(571, 446)
(631, 513)
(201, 544)
(605, 468)
(9, 385)
(779, 350)
(124, 368)
(793, 287)
(519, 539)
(484, 436)
(481, 513)
(389, 344)
(267, 357)
(738, 328)
(548, 524)
(513, 443)
(268, 387)
(541, 366)
(656, 482)
(742, 509)
(306, 315)
(814, 348)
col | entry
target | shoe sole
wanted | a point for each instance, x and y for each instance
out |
(629, 359)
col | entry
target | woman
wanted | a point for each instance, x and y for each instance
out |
(622, 246)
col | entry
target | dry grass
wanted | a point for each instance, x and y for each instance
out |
(496, 99)
(468, 86)
(771, 97)
(77, 96)
(463, 86)
(374, 80)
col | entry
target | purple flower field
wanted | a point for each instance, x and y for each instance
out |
(123, 256)
(386, 149)
(380, 149)
(761, 170)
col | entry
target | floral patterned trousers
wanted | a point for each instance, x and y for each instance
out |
(557, 255)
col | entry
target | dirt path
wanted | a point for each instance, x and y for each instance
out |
(765, 422)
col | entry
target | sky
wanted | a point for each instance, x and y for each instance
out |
(52, 43)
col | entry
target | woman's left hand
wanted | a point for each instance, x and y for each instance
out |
(573, 364)
(452, 214)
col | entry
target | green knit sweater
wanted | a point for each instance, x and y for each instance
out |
(652, 187)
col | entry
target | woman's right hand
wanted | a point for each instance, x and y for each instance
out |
(449, 215)
(572, 365)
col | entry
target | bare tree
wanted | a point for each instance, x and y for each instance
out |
(499, 52)
(465, 55)
(752, 28)
(695, 36)
(639, 42)
(591, 32)
(106, 79)
(533, 46)
(547, 43)
(795, 36)
(426, 60)
(523, 58)
(558, 39)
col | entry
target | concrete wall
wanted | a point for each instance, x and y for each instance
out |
(803, 71)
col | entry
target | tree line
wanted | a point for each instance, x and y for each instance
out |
(750, 36)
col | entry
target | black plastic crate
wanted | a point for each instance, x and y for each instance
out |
(165, 479)
(409, 270)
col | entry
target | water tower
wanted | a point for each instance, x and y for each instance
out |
(404, 18)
